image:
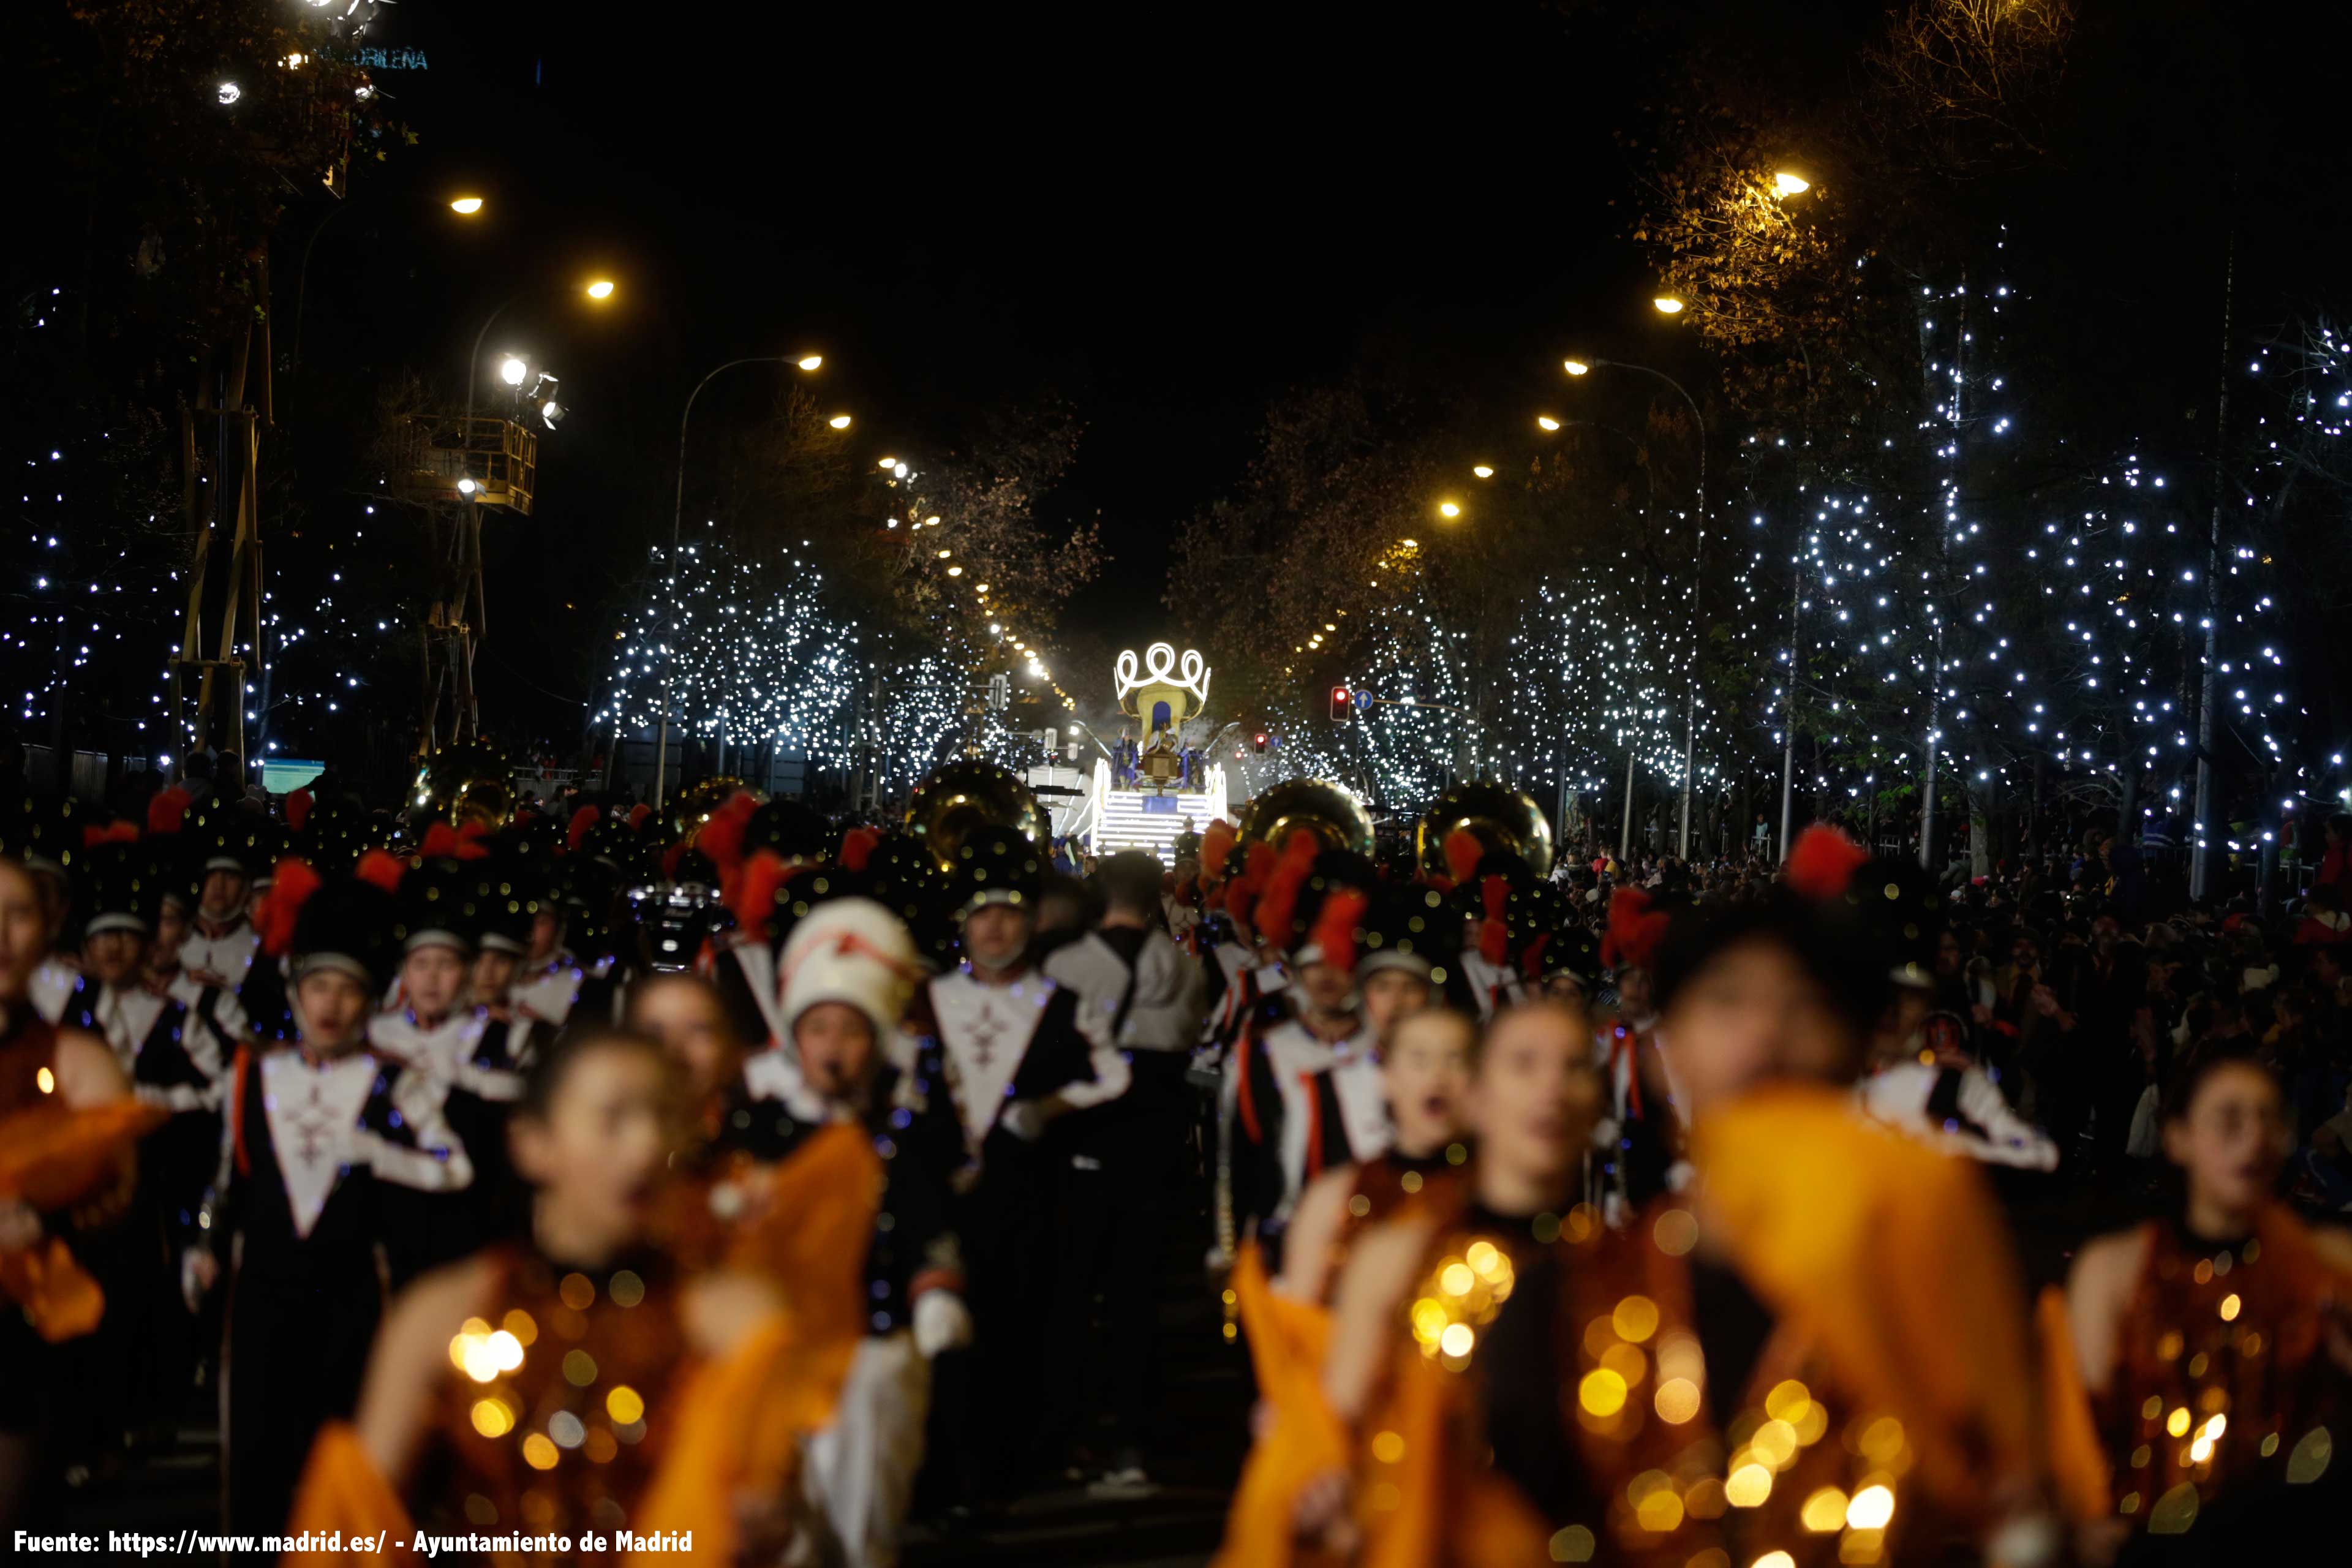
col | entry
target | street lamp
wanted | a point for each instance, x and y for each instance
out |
(1546, 421)
(677, 517)
(601, 289)
(1789, 184)
(1482, 471)
(1690, 734)
(511, 370)
(1448, 509)
(466, 207)
(1668, 305)
(839, 421)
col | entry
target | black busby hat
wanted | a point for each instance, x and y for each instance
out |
(118, 885)
(795, 831)
(511, 888)
(333, 831)
(43, 830)
(343, 923)
(995, 865)
(438, 904)
(1409, 927)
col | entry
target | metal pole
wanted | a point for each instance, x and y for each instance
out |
(1789, 713)
(2200, 853)
(677, 518)
(1625, 837)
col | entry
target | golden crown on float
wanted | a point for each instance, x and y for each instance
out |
(1160, 690)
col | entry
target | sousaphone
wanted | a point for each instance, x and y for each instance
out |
(956, 797)
(1497, 816)
(466, 782)
(1335, 818)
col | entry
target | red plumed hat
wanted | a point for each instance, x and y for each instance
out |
(1279, 902)
(168, 810)
(297, 809)
(586, 817)
(1822, 862)
(858, 847)
(1334, 937)
(281, 906)
(1216, 848)
(1494, 898)
(1462, 853)
(720, 838)
(382, 868)
(753, 898)
(1635, 929)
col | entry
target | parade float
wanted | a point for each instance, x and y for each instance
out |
(1144, 793)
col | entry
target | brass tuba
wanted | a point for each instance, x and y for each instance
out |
(1335, 818)
(1497, 816)
(956, 797)
(466, 782)
(692, 806)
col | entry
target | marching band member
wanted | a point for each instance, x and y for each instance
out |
(1309, 1094)
(1142, 997)
(848, 978)
(322, 1136)
(222, 939)
(1018, 1071)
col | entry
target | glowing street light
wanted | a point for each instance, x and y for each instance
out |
(601, 289)
(1546, 421)
(1790, 185)
(1482, 471)
(1668, 305)
(511, 370)
(839, 421)
(887, 463)
(810, 362)
(466, 207)
(1447, 508)
(1575, 367)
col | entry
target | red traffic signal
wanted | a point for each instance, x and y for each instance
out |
(1261, 743)
(1342, 704)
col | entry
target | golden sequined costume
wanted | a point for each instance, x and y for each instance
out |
(1858, 1307)
(1288, 1340)
(51, 1157)
(574, 1406)
(2222, 1377)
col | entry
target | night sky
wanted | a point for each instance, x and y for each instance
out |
(1166, 219)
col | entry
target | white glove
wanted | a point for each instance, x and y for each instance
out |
(1024, 1118)
(943, 1322)
(198, 1271)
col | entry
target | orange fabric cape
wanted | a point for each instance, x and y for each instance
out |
(1301, 1438)
(734, 1437)
(52, 1157)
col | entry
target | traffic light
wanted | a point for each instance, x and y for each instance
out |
(1342, 705)
(1261, 743)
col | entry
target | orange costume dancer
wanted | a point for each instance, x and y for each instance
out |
(1816, 1353)
(68, 1130)
(1287, 1322)
(2200, 1366)
(532, 1397)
